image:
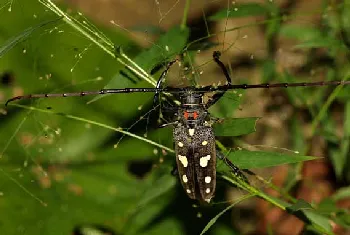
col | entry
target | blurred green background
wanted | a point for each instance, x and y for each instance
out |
(60, 172)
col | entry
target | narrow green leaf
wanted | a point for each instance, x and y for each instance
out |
(213, 220)
(9, 44)
(345, 23)
(320, 43)
(269, 70)
(235, 126)
(303, 209)
(300, 205)
(241, 10)
(310, 37)
(339, 157)
(274, 22)
(347, 120)
(301, 33)
(259, 159)
(299, 142)
(319, 221)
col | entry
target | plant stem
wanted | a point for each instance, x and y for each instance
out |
(245, 186)
(185, 15)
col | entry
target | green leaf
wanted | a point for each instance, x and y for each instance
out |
(269, 70)
(235, 126)
(327, 206)
(345, 23)
(339, 157)
(94, 230)
(258, 159)
(303, 209)
(342, 193)
(145, 215)
(226, 105)
(343, 219)
(318, 220)
(241, 10)
(274, 22)
(165, 226)
(299, 142)
(319, 43)
(9, 44)
(62, 165)
(161, 186)
(301, 33)
(310, 37)
(214, 220)
(223, 229)
(347, 120)
(299, 205)
(169, 45)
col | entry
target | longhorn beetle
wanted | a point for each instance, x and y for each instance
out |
(193, 134)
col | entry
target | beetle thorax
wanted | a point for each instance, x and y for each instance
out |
(192, 112)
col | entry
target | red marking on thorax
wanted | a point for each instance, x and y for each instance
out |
(186, 115)
(193, 115)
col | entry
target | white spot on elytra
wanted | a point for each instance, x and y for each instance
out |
(203, 161)
(207, 190)
(184, 178)
(180, 144)
(204, 142)
(207, 200)
(188, 191)
(207, 179)
(191, 132)
(183, 160)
